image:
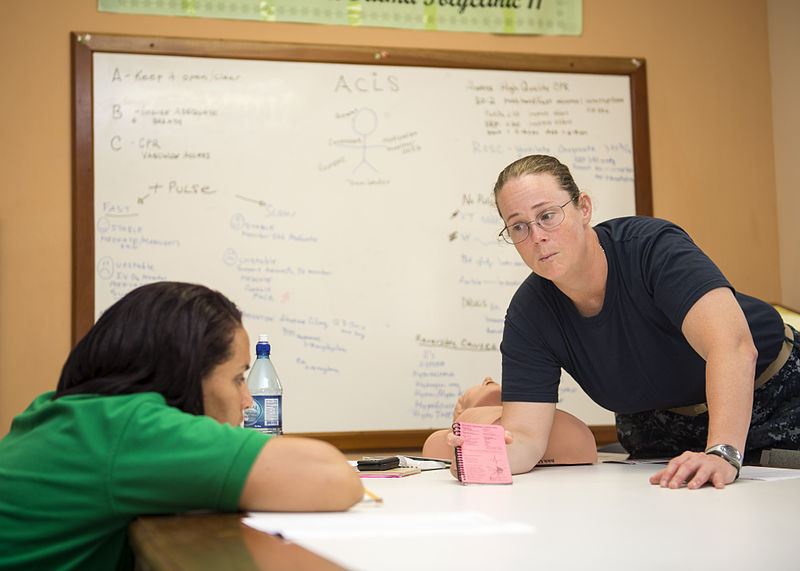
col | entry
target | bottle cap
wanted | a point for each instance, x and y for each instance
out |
(262, 347)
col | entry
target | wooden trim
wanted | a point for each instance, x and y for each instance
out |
(642, 172)
(358, 54)
(388, 440)
(214, 541)
(373, 439)
(82, 191)
(604, 434)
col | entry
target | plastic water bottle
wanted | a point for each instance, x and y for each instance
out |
(266, 413)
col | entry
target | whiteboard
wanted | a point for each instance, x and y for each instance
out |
(347, 210)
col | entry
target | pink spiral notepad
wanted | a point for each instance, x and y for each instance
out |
(482, 458)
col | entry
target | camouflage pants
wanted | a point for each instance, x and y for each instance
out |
(775, 422)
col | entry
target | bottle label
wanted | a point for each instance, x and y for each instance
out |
(266, 412)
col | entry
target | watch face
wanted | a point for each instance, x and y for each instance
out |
(730, 451)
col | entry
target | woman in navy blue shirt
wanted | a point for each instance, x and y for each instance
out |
(648, 326)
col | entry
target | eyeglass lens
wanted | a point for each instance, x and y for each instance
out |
(547, 219)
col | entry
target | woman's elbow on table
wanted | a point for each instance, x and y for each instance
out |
(300, 474)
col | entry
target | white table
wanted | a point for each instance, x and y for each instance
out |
(602, 516)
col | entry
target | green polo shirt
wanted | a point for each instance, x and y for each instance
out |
(74, 472)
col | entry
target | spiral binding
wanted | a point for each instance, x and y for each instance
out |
(459, 459)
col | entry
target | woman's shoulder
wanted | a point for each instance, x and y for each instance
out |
(628, 227)
(123, 412)
(643, 236)
(128, 402)
(49, 404)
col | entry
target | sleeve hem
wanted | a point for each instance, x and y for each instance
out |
(239, 470)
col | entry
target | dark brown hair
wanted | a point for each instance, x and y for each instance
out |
(164, 337)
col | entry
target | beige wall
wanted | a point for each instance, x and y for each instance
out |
(784, 49)
(710, 121)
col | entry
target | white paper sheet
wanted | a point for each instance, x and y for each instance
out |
(299, 527)
(767, 473)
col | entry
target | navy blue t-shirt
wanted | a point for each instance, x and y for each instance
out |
(632, 356)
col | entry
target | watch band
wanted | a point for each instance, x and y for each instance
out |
(728, 453)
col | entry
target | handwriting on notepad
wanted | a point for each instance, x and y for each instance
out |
(482, 458)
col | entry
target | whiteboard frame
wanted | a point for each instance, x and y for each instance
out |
(83, 45)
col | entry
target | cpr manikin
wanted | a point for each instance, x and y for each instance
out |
(571, 441)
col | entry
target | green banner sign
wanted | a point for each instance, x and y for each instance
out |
(556, 17)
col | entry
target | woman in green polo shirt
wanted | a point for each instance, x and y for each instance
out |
(145, 420)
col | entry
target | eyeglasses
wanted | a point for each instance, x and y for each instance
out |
(547, 219)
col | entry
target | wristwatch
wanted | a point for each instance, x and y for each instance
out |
(729, 453)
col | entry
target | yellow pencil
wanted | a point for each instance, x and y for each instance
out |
(373, 496)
